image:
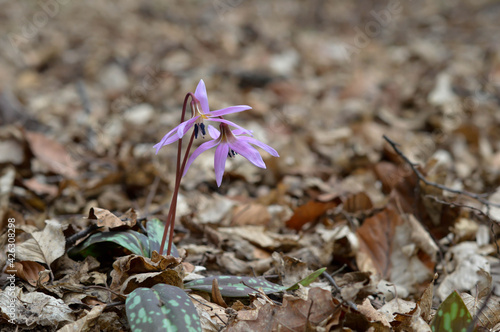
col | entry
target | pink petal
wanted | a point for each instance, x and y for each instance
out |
(214, 133)
(220, 162)
(201, 95)
(167, 139)
(249, 152)
(229, 110)
(261, 145)
(186, 125)
(244, 131)
(202, 148)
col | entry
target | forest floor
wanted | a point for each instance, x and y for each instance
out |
(386, 117)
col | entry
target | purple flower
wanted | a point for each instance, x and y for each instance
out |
(229, 143)
(201, 111)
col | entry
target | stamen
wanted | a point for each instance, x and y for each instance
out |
(195, 130)
(202, 127)
(231, 153)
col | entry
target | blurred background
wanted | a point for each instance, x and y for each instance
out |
(89, 87)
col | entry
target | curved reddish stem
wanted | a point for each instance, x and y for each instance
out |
(178, 173)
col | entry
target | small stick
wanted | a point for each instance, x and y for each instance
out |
(421, 177)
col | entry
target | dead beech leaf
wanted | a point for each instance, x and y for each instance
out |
(375, 242)
(41, 188)
(358, 202)
(52, 154)
(86, 322)
(216, 295)
(130, 265)
(46, 246)
(425, 301)
(28, 271)
(296, 314)
(250, 214)
(371, 313)
(169, 277)
(110, 221)
(310, 212)
(489, 317)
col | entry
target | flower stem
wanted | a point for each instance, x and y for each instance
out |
(178, 174)
(173, 205)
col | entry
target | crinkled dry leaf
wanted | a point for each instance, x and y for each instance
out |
(127, 266)
(28, 271)
(148, 280)
(310, 212)
(40, 309)
(295, 315)
(373, 314)
(52, 154)
(250, 214)
(465, 264)
(46, 246)
(86, 322)
(489, 316)
(110, 221)
(375, 242)
(358, 202)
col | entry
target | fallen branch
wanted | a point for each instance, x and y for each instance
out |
(421, 177)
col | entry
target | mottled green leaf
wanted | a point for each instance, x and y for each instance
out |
(155, 229)
(162, 308)
(308, 280)
(136, 242)
(452, 315)
(233, 286)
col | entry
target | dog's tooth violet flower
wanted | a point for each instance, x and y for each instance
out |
(200, 111)
(229, 143)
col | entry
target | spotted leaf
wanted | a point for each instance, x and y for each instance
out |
(161, 308)
(452, 315)
(308, 280)
(233, 286)
(136, 242)
(155, 228)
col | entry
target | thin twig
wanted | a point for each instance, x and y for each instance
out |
(470, 328)
(332, 281)
(71, 240)
(421, 177)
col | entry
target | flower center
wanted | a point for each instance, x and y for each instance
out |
(226, 136)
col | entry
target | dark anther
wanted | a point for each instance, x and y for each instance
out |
(202, 127)
(195, 131)
(231, 153)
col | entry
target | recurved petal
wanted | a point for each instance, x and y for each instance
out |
(243, 130)
(220, 161)
(247, 151)
(201, 95)
(186, 125)
(229, 110)
(261, 145)
(214, 133)
(167, 139)
(202, 148)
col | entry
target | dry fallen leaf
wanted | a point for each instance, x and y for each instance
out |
(310, 212)
(109, 221)
(52, 154)
(374, 315)
(375, 242)
(296, 314)
(45, 246)
(28, 271)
